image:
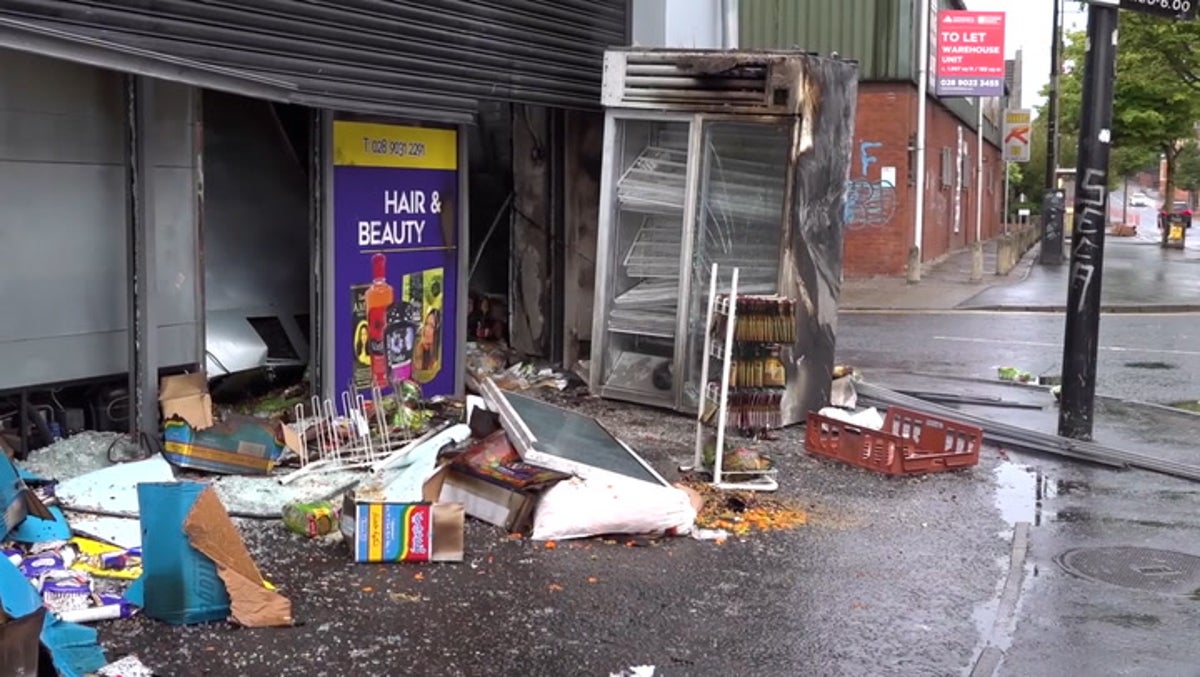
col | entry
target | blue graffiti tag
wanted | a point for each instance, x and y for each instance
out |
(865, 158)
(868, 204)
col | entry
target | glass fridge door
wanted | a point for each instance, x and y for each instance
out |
(739, 223)
(646, 243)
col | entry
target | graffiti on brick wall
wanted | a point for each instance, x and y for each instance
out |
(869, 204)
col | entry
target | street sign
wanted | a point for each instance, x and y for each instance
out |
(970, 49)
(1172, 9)
(1018, 130)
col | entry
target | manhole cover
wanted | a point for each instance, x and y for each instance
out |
(1163, 571)
(1149, 365)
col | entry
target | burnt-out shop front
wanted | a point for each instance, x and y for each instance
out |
(289, 188)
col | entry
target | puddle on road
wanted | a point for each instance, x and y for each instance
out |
(1021, 490)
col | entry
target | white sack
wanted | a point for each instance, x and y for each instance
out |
(578, 508)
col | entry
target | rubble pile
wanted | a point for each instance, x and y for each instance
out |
(100, 528)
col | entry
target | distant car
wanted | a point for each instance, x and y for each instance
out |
(1181, 211)
(1139, 200)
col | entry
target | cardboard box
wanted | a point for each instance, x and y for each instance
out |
(239, 445)
(392, 531)
(187, 397)
(491, 503)
(495, 485)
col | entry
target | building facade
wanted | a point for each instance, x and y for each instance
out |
(880, 223)
(212, 183)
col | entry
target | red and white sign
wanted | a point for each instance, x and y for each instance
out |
(970, 53)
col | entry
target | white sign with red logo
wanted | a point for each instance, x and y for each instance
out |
(1018, 135)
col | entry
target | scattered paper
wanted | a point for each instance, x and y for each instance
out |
(867, 418)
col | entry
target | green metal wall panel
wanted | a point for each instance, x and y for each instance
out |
(877, 33)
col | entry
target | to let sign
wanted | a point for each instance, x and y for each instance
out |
(970, 53)
(1018, 127)
(1173, 9)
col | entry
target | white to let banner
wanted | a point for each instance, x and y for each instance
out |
(1018, 135)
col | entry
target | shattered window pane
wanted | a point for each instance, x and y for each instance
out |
(577, 438)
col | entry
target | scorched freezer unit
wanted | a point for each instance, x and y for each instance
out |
(734, 158)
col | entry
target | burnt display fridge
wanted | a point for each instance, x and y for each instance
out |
(733, 158)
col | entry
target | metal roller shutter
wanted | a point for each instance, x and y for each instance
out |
(433, 57)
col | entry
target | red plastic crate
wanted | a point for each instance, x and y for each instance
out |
(911, 442)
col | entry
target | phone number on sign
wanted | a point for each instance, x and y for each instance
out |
(969, 82)
(390, 147)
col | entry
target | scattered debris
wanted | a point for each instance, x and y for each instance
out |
(491, 361)
(635, 671)
(128, 666)
(311, 519)
(955, 399)
(741, 513)
(867, 418)
(1015, 374)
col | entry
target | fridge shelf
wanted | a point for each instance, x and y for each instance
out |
(655, 250)
(656, 182)
(654, 323)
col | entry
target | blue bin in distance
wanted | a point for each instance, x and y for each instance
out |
(181, 585)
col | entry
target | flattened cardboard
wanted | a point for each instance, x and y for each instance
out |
(210, 531)
(187, 397)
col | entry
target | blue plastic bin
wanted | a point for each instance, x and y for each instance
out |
(181, 585)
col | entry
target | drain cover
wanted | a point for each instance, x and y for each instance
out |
(1164, 571)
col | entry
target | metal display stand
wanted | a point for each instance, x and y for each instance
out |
(745, 480)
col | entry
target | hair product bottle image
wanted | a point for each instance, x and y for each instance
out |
(378, 298)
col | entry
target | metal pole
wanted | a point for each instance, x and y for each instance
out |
(142, 275)
(1007, 189)
(914, 259)
(1125, 205)
(1051, 252)
(979, 173)
(1091, 210)
(1052, 103)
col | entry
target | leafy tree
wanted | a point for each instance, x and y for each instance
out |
(1187, 167)
(1153, 113)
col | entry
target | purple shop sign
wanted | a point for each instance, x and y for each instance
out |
(395, 279)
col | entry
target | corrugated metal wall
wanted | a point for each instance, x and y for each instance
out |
(63, 222)
(880, 34)
(423, 55)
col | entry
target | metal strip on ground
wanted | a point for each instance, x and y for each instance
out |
(1034, 441)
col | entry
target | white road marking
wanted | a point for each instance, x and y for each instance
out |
(1041, 344)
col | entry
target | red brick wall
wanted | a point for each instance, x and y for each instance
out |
(879, 218)
(879, 228)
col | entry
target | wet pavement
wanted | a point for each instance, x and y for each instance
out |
(1138, 277)
(1064, 624)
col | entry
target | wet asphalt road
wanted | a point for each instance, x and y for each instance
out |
(891, 576)
(1147, 357)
